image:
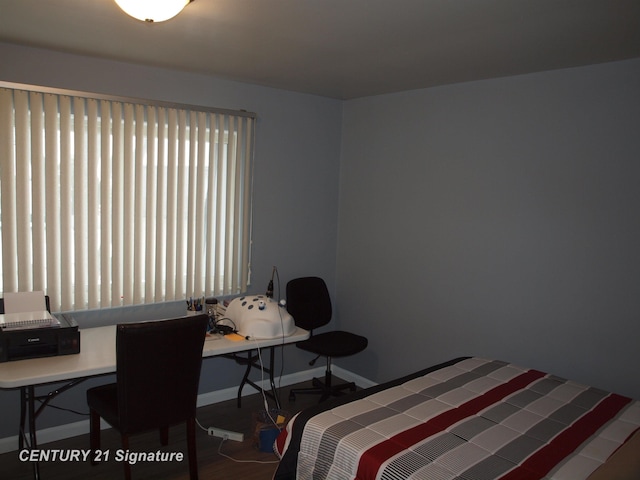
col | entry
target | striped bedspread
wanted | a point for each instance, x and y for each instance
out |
(471, 419)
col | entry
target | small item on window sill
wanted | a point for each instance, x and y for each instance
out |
(195, 305)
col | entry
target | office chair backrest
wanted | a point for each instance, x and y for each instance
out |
(158, 371)
(309, 303)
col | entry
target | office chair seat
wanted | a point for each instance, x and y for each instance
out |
(333, 344)
(309, 303)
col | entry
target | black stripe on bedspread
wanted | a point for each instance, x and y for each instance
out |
(287, 467)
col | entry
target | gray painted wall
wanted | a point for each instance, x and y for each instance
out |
(498, 218)
(295, 188)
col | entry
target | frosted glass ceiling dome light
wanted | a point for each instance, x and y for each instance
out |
(152, 11)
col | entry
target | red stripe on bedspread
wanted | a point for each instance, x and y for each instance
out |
(374, 457)
(281, 441)
(280, 445)
(545, 459)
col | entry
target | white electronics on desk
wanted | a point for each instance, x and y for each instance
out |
(260, 317)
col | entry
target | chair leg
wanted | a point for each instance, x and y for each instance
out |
(325, 389)
(127, 465)
(94, 435)
(191, 448)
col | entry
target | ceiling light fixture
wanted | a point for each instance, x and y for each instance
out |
(152, 11)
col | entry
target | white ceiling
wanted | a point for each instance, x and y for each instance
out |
(340, 48)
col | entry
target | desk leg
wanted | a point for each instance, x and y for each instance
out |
(28, 414)
(33, 442)
(23, 417)
(251, 363)
(274, 391)
(245, 377)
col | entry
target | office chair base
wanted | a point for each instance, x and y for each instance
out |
(324, 389)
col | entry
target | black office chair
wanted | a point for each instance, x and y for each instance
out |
(157, 376)
(309, 303)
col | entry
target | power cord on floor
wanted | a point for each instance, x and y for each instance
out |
(223, 439)
(242, 461)
(200, 425)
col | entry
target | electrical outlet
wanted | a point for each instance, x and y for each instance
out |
(226, 434)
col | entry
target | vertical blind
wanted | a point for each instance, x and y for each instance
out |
(108, 202)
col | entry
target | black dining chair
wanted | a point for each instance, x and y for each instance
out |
(309, 303)
(157, 376)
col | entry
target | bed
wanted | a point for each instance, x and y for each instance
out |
(469, 419)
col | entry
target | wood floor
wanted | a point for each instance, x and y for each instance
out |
(212, 465)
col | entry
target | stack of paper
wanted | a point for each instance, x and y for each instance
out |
(25, 310)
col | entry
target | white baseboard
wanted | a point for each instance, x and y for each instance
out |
(46, 435)
(68, 430)
(351, 377)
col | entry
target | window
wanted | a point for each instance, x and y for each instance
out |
(108, 202)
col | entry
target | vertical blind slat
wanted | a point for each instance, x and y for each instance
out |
(7, 190)
(79, 201)
(151, 194)
(200, 205)
(221, 204)
(117, 209)
(229, 215)
(160, 235)
(234, 194)
(182, 218)
(38, 190)
(248, 212)
(93, 205)
(52, 243)
(172, 203)
(23, 190)
(213, 221)
(106, 215)
(128, 205)
(60, 232)
(190, 213)
(139, 217)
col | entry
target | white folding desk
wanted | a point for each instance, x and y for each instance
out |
(98, 357)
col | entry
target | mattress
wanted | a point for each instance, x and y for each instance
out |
(467, 419)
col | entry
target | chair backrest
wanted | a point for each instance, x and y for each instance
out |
(309, 303)
(158, 371)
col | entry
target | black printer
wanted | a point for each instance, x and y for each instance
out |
(19, 344)
(36, 341)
